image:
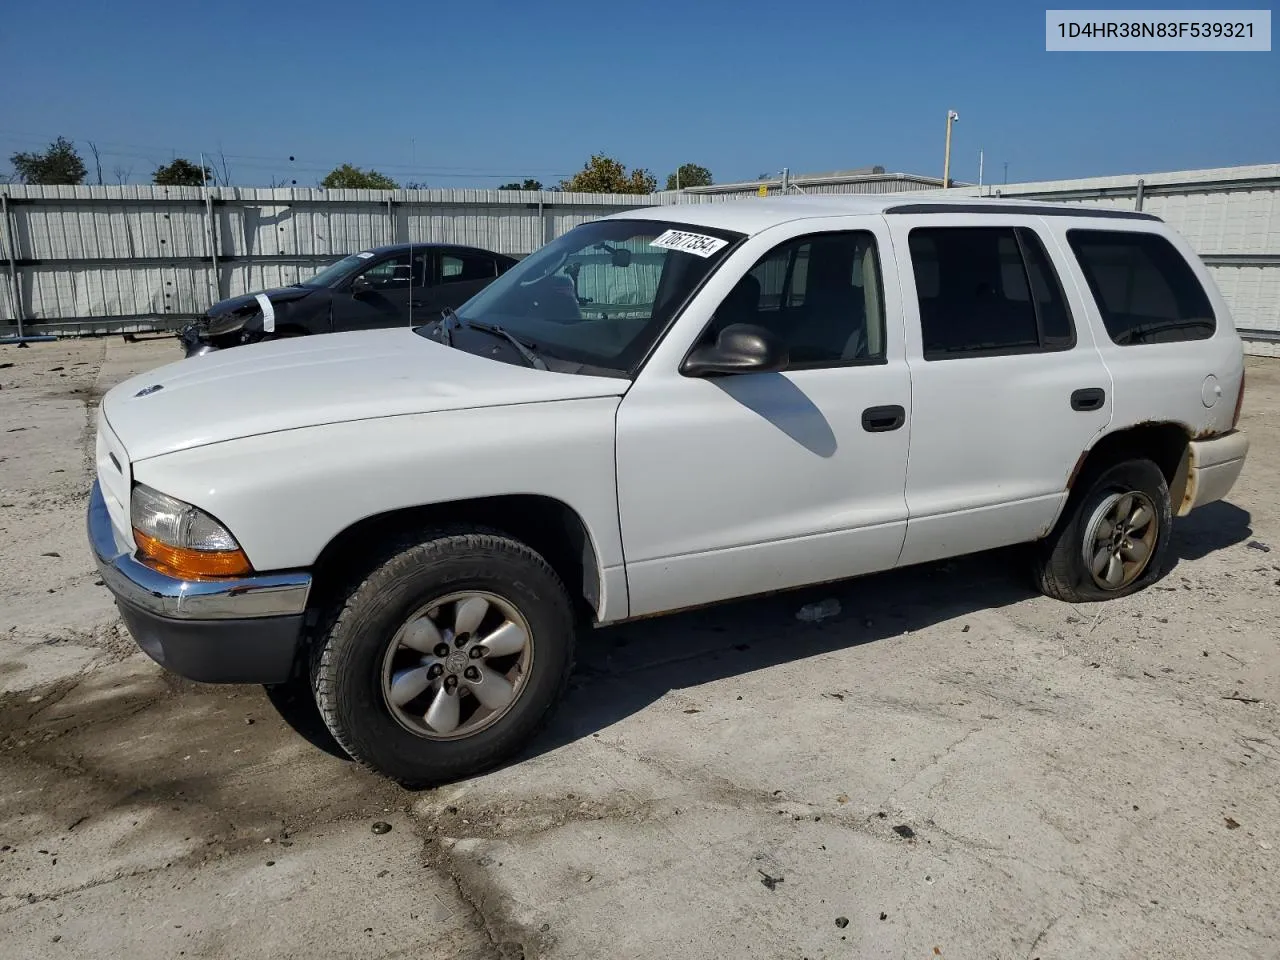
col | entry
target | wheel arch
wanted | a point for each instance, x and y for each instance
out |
(547, 525)
(1165, 443)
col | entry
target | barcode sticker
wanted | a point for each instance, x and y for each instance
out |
(698, 244)
(268, 312)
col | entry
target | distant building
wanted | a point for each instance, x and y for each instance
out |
(860, 180)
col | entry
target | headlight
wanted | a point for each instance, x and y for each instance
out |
(181, 540)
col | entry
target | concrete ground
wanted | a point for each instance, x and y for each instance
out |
(952, 767)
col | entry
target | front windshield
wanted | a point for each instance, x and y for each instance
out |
(602, 294)
(336, 271)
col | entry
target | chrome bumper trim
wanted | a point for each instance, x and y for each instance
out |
(264, 595)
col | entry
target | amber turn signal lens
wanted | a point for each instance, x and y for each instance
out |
(187, 564)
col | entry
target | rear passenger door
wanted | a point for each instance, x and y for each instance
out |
(1007, 385)
(1174, 354)
(460, 275)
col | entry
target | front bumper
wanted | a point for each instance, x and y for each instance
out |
(244, 630)
(192, 345)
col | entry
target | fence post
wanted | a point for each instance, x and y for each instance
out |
(15, 292)
(212, 230)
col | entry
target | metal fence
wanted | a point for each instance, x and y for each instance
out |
(109, 259)
(1229, 215)
(98, 259)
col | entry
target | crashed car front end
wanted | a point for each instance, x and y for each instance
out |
(194, 338)
(227, 324)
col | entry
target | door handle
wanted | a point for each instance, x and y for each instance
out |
(883, 419)
(415, 303)
(1088, 398)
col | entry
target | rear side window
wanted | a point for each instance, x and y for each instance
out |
(1144, 289)
(459, 268)
(987, 291)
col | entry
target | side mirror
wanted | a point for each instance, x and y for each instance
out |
(740, 348)
(360, 285)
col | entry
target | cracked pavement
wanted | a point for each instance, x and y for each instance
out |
(954, 765)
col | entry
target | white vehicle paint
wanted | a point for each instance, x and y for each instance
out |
(875, 445)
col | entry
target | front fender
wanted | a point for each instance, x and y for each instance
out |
(285, 495)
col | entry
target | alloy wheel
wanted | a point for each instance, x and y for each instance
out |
(457, 665)
(1120, 539)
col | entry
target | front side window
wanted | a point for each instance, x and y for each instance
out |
(603, 293)
(336, 272)
(1144, 289)
(987, 291)
(390, 273)
(818, 294)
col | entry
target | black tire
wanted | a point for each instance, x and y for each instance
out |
(347, 665)
(1061, 570)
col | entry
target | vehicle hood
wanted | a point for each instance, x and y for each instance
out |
(287, 384)
(278, 295)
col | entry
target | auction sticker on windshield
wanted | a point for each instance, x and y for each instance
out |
(698, 244)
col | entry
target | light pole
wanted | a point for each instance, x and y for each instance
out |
(952, 117)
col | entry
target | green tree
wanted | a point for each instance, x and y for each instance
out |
(689, 175)
(59, 164)
(181, 173)
(353, 178)
(529, 184)
(602, 174)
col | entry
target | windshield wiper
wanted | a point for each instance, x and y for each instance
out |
(522, 348)
(1139, 333)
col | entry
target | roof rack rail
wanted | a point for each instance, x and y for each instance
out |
(1013, 206)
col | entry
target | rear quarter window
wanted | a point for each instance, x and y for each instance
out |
(1144, 288)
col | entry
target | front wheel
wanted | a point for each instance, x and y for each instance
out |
(1113, 541)
(447, 659)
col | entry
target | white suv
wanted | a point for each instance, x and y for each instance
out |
(669, 407)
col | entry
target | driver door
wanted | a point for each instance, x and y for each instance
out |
(379, 295)
(738, 484)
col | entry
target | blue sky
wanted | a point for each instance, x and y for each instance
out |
(471, 94)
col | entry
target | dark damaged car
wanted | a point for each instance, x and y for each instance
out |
(388, 286)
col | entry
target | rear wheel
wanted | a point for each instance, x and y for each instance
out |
(1114, 540)
(447, 658)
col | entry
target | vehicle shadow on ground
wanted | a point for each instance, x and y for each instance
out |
(621, 670)
(296, 705)
(1211, 528)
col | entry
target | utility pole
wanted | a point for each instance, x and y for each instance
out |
(979, 171)
(952, 117)
(1006, 171)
